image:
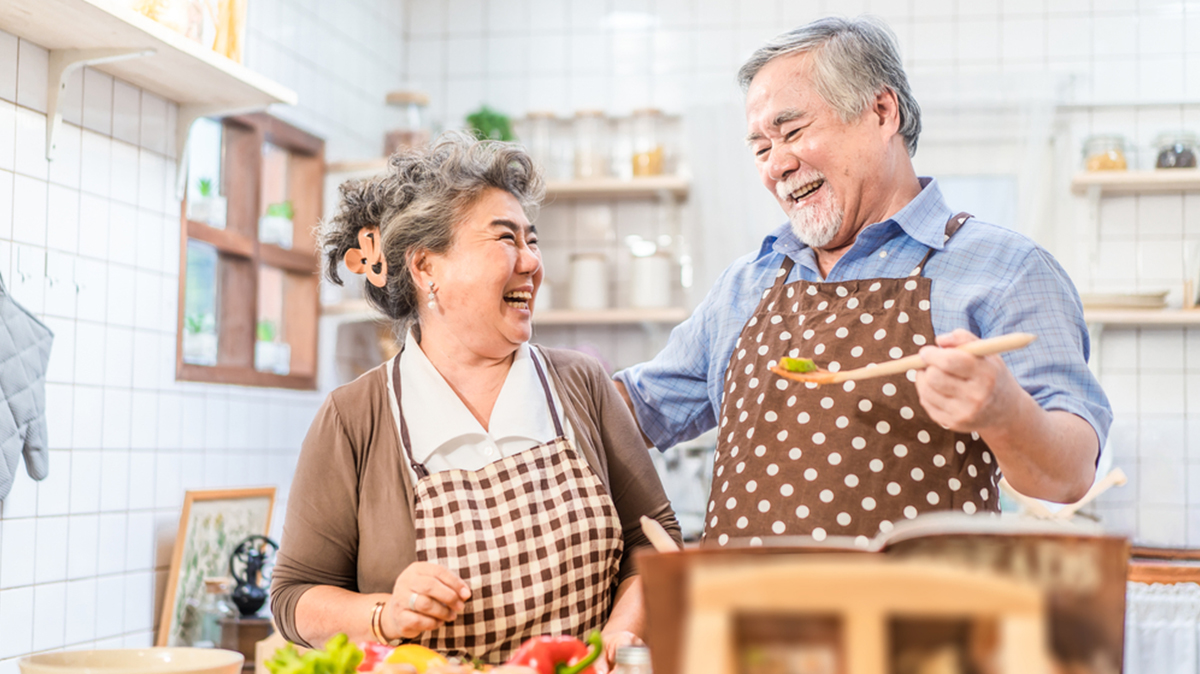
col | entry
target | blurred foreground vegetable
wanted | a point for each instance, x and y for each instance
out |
(338, 657)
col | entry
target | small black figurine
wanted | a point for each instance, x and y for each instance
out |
(250, 593)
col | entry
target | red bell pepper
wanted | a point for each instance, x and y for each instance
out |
(373, 654)
(559, 655)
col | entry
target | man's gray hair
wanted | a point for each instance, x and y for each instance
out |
(853, 60)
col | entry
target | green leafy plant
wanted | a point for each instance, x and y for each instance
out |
(487, 123)
(199, 323)
(206, 187)
(282, 209)
(266, 331)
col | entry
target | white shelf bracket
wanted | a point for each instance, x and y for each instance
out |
(188, 114)
(62, 63)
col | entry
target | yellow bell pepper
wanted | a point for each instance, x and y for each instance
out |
(416, 655)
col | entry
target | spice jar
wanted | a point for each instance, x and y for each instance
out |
(647, 142)
(1176, 150)
(632, 660)
(408, 121)
(1105, 153)
(591, 144)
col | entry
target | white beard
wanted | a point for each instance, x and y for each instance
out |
(814, 226)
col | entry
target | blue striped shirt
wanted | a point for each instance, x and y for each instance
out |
(986, 279)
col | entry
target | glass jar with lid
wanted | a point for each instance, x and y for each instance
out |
(1176, 150)
(542, 133)
(591, 144)
(407, 121)
(647, 142)
(1105, 153)
(633, 660)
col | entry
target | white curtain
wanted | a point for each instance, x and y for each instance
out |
(1162, 628)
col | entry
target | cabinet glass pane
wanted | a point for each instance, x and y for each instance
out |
(200, 305)
(275, 218)
(205, 188)
(271, 352)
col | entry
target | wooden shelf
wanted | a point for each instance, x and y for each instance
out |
(361, 310)
(617, 188)
(598, 188)
(376, 165)
(1119, 183)
(1143, 317)
(610, 316)
(180, 70)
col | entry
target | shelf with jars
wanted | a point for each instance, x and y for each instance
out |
(1111, 170)
(143, 52)
(1107, 166)
(1125, 183)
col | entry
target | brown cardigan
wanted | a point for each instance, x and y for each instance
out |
(349, 514)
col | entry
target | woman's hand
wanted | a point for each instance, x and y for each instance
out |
(612, 641)
(425, 597)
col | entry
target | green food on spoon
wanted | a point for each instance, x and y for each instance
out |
(800, 365)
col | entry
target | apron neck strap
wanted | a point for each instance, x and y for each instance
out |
(952, 225)
(406, 444)
(533, 355)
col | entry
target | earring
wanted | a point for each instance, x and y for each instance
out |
(432, 303)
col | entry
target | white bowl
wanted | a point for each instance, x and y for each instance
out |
(136, 661)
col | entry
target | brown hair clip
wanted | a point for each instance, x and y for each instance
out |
(368, 257)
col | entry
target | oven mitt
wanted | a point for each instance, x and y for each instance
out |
(24, 355)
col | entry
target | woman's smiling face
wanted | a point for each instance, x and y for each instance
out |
(487, 282)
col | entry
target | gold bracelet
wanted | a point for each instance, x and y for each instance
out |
(377, 626)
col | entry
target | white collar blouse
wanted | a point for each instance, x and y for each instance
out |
(444, 433)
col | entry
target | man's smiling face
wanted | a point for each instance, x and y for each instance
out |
(815, 164)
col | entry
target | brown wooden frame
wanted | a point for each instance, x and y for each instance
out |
(242, 255)
(163, 628)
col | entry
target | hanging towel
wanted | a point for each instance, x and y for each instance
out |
(24, 355)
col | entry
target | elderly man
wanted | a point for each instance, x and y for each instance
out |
(872, 266)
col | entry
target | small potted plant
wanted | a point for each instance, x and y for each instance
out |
(204, 206)
(276, 225)
(271, 355)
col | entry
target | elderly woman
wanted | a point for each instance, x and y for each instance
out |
(475, 490)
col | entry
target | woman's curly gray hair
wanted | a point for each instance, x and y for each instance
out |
(416, 204)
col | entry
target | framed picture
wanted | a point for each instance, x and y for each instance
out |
(213, 523)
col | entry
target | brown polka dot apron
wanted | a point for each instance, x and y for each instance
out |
(847, 459)
(535, 535)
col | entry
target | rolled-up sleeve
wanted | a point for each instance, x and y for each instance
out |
(320, 532)
(671, 393)
(1041, 299)
(636, 489)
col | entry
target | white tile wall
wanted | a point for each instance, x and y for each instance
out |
(1134, 58)
(90, 243)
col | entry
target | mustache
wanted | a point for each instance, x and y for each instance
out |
(785, 188)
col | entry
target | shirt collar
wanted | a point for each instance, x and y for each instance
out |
(923, 219)
(436, 416)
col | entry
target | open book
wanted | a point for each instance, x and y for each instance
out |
(1080, 571)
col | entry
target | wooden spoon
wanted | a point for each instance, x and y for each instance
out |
(982, 347)
(1115, 478)
(658, 536)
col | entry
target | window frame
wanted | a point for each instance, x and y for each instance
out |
(243, 137)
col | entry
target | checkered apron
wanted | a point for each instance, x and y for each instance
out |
(535, 535)
(843, 460)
